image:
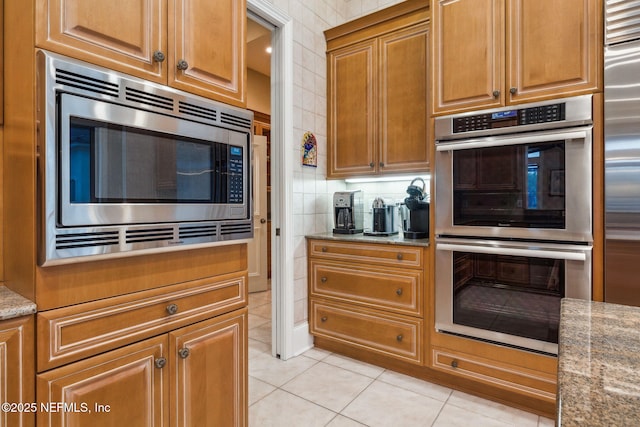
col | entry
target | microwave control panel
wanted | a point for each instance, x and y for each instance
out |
(236, 166)
(510, 118)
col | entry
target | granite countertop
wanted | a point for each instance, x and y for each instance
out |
(396, 239)
(598, 364)
(14, 305)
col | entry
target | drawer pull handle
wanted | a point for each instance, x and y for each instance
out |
(454, 363)
(399, 291)
(323, 279)
(172, 308)
(324, 249)
(183, 352)
(160, 362)
(399, 338)
(323, 318)
(399, 256)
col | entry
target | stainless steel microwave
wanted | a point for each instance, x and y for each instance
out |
(128, 166)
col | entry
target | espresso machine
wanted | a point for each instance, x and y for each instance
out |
(416, 221)
(348, 212)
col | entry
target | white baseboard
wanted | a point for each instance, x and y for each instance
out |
(302, 340)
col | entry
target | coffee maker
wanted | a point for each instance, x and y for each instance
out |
(383, 221)
(416, 223)
(348, 212)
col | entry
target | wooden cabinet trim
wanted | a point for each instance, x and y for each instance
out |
(395, 290)
(71, 333)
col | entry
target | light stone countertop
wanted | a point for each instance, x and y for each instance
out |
(598, 364)
(14, 305)
(396, 239)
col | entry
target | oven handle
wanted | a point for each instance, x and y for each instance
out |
(536, 253)
(514, 140)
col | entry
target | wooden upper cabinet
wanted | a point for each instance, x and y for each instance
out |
(553, 47)
(403, 100)
(352, 109)
(119, 35)
(490, 53)
(468, 54)
(378, 89)
(196, 45)
(208, 38)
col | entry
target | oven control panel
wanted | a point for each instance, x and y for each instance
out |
(510, 118)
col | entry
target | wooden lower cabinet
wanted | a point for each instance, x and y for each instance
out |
(17, 370)
(369, 297)
(196, 375)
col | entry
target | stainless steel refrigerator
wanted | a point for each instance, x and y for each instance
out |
(622, 151)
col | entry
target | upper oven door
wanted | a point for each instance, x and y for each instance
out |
(532, 186)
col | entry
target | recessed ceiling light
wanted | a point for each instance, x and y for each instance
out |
(268, 49)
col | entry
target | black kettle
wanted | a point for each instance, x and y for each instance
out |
(417, 224)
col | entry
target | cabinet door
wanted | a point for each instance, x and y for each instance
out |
(207, 48)
(553, 47)
(124, 387)
(468, 54)
(403, 101)
(352, 110)
(120, 35)
(17, 369)
(209, 376)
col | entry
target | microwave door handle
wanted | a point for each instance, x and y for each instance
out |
(499, 142)
(536, 253)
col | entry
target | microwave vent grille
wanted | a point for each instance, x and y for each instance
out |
(197, 111)
(83, 240)
(149, 235)
(227, 229)
(234, 120)
(151, 99)
(87, 83)
(189, 232)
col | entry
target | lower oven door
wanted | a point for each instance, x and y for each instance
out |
(508, 292)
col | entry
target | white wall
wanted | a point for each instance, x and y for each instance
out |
(312, 192)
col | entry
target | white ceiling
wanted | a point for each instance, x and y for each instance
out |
(258, 39)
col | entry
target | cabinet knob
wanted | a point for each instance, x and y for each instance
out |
(323, 279)
(158, 56)
(183, 352)
(172, 308)
(513, 90)
(399, 291)
(454, 363)
(324, 249)
(323, 318)
(381, 164)
(160, 362)
(371, 164)
(399, 338)
(263, 221)
(182, 65)
(496, 93)
(399, 256)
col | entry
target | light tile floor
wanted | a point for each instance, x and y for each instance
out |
(319, 388)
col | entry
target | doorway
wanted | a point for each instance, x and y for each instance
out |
(281, 132)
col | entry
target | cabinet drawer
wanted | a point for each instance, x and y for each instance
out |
(518, 379)
(392, 289)
(371, 330)
(371, 254)
(72, 333)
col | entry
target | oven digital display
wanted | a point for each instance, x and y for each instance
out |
(504, 114)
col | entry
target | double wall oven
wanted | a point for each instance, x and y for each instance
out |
(513, 191)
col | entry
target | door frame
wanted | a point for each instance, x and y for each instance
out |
(282, 242)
